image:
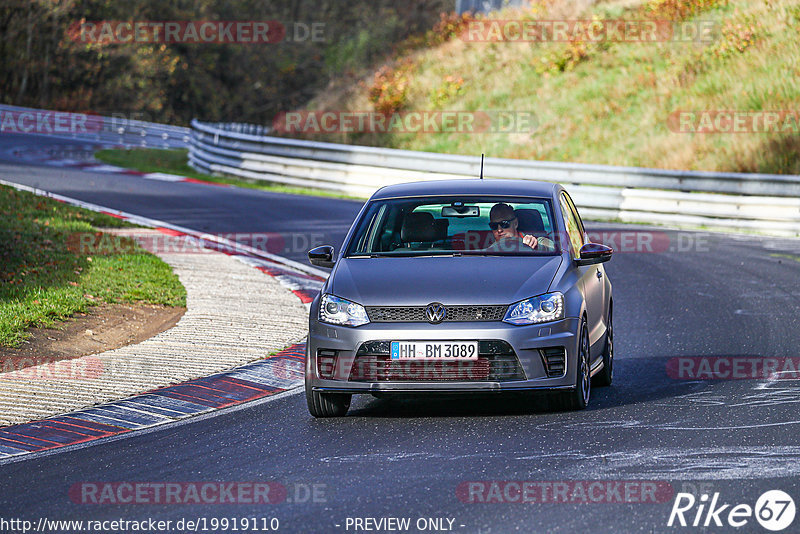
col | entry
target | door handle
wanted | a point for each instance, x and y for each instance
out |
(599, 274)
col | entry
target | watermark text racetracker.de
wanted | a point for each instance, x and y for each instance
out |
(596, 31)
(564, 491)
(46, 368)
(733, 368)
(625, 241)
(112, 242)
(104, 369)
(199, 492)
(70, 123)
(727, 121)
(106, 32)
(648, 241)
(420, 121)
(49, 122)
(126, 241)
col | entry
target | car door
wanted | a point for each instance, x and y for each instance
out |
(591, 276)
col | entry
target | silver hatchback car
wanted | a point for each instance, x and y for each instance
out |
(462, 287)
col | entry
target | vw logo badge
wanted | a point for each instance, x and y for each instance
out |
(435, 312)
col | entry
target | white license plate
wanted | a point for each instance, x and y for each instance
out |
(434, 350)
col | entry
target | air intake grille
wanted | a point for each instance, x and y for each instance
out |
(555, 361)
(326, 363)
(408, 314)
(496, 363)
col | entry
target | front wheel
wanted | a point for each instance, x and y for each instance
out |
(578, 398)
(327, 404)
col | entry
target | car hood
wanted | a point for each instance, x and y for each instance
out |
(386, 281)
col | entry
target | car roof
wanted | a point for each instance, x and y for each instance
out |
(474, 186)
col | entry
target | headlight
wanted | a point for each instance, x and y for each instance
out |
(541, 309)
(334, 310)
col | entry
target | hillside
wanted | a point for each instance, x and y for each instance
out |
(83, 55)
(606, 101)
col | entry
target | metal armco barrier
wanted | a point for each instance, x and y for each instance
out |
(765, 203)
(117, 130)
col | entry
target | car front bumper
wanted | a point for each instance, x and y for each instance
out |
(526, 342)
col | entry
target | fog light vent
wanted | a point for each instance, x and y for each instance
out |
(555, 361)
(326, 363)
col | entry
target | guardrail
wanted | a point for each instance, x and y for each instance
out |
(89, 127)
(766, 203)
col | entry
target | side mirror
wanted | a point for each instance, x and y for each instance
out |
(592, 253)
(321, 256)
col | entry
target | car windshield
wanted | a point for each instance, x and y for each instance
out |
(455, 225)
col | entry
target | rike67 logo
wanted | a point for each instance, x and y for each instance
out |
(774, 510)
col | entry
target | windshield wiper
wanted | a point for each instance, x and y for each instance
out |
(414, 254)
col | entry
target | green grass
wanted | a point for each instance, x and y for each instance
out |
(175, 162)
(44, 278)
(612, 106)
(150, 160)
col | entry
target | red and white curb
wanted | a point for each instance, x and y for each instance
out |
(256, 380)
(279, 373)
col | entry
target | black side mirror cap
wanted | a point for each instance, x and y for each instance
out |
(321, 256)
(592, 253)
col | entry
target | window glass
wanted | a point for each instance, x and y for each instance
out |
(577, 216)
(455, 224)
(573, 226)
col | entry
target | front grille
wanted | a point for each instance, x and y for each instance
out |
(555, 361)
(496, 362)
(416, 314)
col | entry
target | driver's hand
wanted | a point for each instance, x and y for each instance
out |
(530, 240)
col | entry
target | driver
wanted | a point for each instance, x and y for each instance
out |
(504, 223)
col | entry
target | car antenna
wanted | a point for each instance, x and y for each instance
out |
(481, 166)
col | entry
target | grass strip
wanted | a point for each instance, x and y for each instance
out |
(45, 276)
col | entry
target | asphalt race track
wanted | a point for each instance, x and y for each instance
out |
(707, 295)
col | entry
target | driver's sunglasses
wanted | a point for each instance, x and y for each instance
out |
(501, 224)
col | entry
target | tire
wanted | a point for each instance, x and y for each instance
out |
(606, 375)
(578, 398)
(327, 404)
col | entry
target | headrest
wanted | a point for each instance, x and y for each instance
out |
(530, 221)
(419, 227)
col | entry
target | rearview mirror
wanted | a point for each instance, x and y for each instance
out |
(592, 253)
(321, 256)
(461, 211)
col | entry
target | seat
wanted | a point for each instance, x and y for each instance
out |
(441, 228)
(530, 222)
(420, 230)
